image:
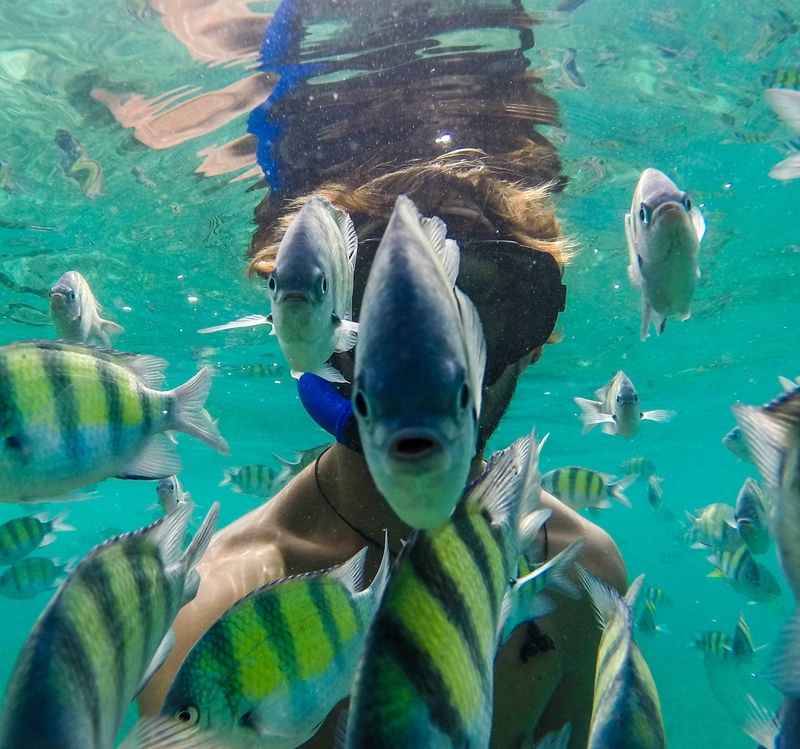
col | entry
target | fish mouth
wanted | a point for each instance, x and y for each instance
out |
(414, 446)
(296, 297)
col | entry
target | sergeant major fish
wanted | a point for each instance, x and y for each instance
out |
(29, 577)
(311, 290)
(71, 416)
(747, 577)
(291, 468)
(583, 488)
(255, 479)
(617, 409)
(418, 412)
(752, 517)
(76, 313)
(626, 710)
(425, 678)
(714, 527)
(101, 637)
(20, 536)
(273, 666)
(663, 230)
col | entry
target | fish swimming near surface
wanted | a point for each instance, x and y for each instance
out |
(425, 678)
(270, 669)
(626, 710)
(20, 536)
(311, 290)
(714, 527)
(77, 165)
(785, 103)
(76, 313)
(73, 415)
(663, 229)
(101, 637)
(418, 413)
(618, 409)
(255, 479)
(735, 442)
(171, 495)
(583, 488)
(746, 576)
(752, 517)
(29, 577)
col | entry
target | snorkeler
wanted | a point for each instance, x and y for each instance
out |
(378, 109)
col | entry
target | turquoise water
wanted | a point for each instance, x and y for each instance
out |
(167, 258)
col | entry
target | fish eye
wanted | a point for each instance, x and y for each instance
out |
(644, 213)
(188, 715)
(360, 403)
(271, 283)
(619, 399)
(171, 487)
(324, 285)
(687, 202)
(72, 295)
(463, 395)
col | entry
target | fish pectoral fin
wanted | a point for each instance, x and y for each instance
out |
(660, 415)
(242, 322)
(327, 372)
(159, 733)
(347, 335)
(647, 313)
(661, 325)
(156, 460)
(340, 734)
(446, 249)
(698, 222)
(110, 328)
(161, 654)
(716, 573)
(475, 343)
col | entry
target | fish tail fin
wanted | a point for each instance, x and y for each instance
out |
(58, 524)
(227, 478)
(190, 414)
(195, 550)
(655, 484)
(556, 739)
(617, 488)
(766, 433)
(558, 568)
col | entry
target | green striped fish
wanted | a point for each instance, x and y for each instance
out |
(255, 479)
(582, 488)
(29, 577)
(101, 637)
(269, 671)
(626, 713)
(715, 644)
(20, 536)
(71, 416)
(746, 576)
(426, 675)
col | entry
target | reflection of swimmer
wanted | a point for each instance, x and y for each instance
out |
(77, 165)
(395, 113)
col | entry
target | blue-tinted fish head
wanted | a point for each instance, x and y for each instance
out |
(627, 411)
(418, 428)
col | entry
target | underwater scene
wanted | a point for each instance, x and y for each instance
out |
(144, 142)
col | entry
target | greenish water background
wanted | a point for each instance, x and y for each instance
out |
(149, 253)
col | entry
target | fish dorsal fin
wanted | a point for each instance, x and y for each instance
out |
(475, 344)
(168, 534)
(348, 230)
(446, 249)
(634, 589)
(608, 604)
(351, 573)
(340, 734)
(498, 489)
(161, 654)
(766, 432)
(532, 484)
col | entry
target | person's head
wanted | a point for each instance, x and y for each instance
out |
(512, 248)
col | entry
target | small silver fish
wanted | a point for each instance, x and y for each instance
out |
(76, 313)
(752, 517)
(736, 443)
(311, 290)
(171, 495)
(785, 103)
(418, 413)
(618, 409)
(663, 229)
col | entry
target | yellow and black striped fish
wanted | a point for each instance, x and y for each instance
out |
(29, 577)
(781, 78)
(715, 644)
(72, 415)
(106, 631)
(255, 479)
(626, 710)
(746, 576)
(583, 488)
(426, 674)
(20, 536)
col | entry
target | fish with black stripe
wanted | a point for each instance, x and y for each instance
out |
(101, 637)
(20, 536)
(626, 713)
(271, 668)
(72, 415)
(426, 678)
(29, 577)
(254, 479)
(583, 488)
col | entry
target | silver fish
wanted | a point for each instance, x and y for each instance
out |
(171, 495)
(663, 230)
(76, 313)
(785, 103)
(311, 290)
(735, 442)
(418, 412)
(618, 409)
(101, 638)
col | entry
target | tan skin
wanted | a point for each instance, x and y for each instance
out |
(297, 531)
